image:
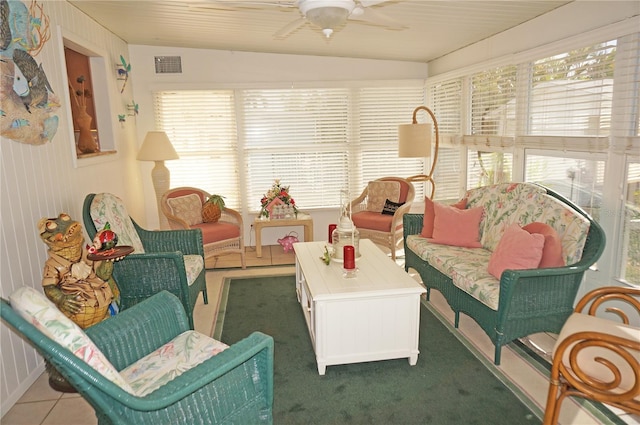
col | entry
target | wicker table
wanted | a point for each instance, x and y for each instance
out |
(301, 220)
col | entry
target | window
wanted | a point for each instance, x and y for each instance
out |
(486, 168)
(493, 95)
(560, 120)
(201, 127)
(315, 140)
(579, 178)
(571, 92)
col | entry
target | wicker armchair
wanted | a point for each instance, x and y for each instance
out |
(234, 386)
(597, 358)
(382, 229)
(171, 260)
(226, 236)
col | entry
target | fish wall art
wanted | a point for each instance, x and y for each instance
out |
(27, 112)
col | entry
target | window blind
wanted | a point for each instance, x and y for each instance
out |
(201, 125)
(493, 97)
(571, 92)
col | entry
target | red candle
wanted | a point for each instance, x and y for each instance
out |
(349, 256)
(332, 227)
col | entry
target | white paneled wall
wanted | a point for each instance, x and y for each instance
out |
(42, 181)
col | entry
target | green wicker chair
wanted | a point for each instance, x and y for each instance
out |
(159, 261)
(232, 387)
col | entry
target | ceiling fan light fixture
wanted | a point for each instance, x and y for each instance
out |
(327, 14)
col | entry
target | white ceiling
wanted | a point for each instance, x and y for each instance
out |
(433, 28)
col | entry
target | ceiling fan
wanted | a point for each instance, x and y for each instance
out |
(328, 15)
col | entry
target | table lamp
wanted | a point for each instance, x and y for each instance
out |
(414, 141)
(157, 147)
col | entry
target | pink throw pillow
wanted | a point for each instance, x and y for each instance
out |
(552, 251)
(517, 250)
(453, 226)
(429, 215)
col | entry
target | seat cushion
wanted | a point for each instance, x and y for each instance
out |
(218, 231)
(579, 322)
(372, 221)
(38, 310)
(108, 208)
(182, 353)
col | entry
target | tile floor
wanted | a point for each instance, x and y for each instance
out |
(42, 405)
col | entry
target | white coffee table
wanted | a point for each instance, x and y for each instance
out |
(374, 316)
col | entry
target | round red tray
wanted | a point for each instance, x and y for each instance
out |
(110, 254)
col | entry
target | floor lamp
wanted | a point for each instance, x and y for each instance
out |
(414, 141)
(158, 148)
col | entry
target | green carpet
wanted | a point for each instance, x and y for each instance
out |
(449, 385)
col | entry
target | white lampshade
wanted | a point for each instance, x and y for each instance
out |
(156, 147)
(414, 140)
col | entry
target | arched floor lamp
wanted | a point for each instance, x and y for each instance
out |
(414, 141)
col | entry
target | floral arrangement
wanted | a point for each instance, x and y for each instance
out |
(278, 194)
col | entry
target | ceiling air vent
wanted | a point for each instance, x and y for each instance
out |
(168, 64)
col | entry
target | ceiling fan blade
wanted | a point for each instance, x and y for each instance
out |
(367, 3)
(372, 16)
(233, 5)
(290, 27)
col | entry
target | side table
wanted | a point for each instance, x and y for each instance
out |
(302, 220)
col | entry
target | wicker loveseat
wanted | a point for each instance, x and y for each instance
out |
(520, 302)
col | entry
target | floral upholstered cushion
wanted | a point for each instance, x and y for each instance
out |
(193, 265)
(184, 352)
(187, 208)
(38, 310)
(108, 208)
(467, 267)
(524, 203)
(379, 191)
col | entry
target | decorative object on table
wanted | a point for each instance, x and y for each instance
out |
(105, 238)
(278, 195)
(288, 241)
(123, 69)
(414, 141)
(212, 209)
(346, 232)
(28, 102)
(86, 143)
(349, 261)
(158, 148)
(332, 227)
(326, 257)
